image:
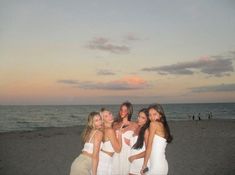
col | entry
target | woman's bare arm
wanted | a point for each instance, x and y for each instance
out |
(96, 149)
(115, 141)
(152, 130)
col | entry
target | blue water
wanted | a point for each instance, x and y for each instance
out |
(26, 118)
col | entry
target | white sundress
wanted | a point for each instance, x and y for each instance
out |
(158, 162)
(121, 164)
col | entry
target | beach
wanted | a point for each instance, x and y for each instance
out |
(204, 147)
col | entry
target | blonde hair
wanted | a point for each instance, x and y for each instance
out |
(89, 126)
(103, 110)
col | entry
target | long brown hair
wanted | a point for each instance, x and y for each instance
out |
(129, 111)
(140, 141)
(163, 120)
(89, 126)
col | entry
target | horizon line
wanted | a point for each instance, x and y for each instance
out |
(110, 104)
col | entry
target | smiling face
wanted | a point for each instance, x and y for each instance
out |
(142, 119)
(107, 117)
(97, 122)
(123, 111)
(154, 115)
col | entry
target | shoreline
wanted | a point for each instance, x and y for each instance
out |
(203, 147)
(64, 127)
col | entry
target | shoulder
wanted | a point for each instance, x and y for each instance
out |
(159, 124)
(98, 134)
(134, 125)
(153, 124)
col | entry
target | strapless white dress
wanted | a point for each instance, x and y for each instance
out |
(121, 163)
(136, 165)
(158, 162)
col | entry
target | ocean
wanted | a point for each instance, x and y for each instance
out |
(27, 118)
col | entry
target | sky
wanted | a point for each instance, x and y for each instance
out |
(55, 52)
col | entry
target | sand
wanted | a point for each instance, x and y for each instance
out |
(199, 148)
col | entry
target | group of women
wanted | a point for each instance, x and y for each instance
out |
(124, 147)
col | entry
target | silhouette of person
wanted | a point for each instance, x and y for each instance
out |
(199, 116)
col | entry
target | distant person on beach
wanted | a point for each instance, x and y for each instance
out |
(112, 142)
(138, 142)
(86, 163)
(123, 122)
(193, 117)
(159, 136)
(199, 116)
(210, 115)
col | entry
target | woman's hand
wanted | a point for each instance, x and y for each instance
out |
(131, 158)
(142, 170)
(119, 132)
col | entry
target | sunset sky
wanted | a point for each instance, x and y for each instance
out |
(109, 51)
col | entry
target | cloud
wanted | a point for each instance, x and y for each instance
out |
(117, 99)
(218, 65)
(126, 83)
(215, 88)
(104, 44)
(105, 72)
(67, 81)
(131, 37)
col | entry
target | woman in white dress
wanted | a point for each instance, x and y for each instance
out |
(111, 144)
(138, 142)
(86, 163)
(121, 163)
(159, 136)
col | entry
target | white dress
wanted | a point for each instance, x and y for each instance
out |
(121, 163)
(105, 160)
(136, 165)
(158, 162)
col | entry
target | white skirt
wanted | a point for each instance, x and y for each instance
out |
(105, 164)
(159, 167)
(136, 166)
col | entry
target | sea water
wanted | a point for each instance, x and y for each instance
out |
(26, 118)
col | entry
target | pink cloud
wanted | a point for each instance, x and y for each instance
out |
(125, 83)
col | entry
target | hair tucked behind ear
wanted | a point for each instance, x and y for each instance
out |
(89, 126)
